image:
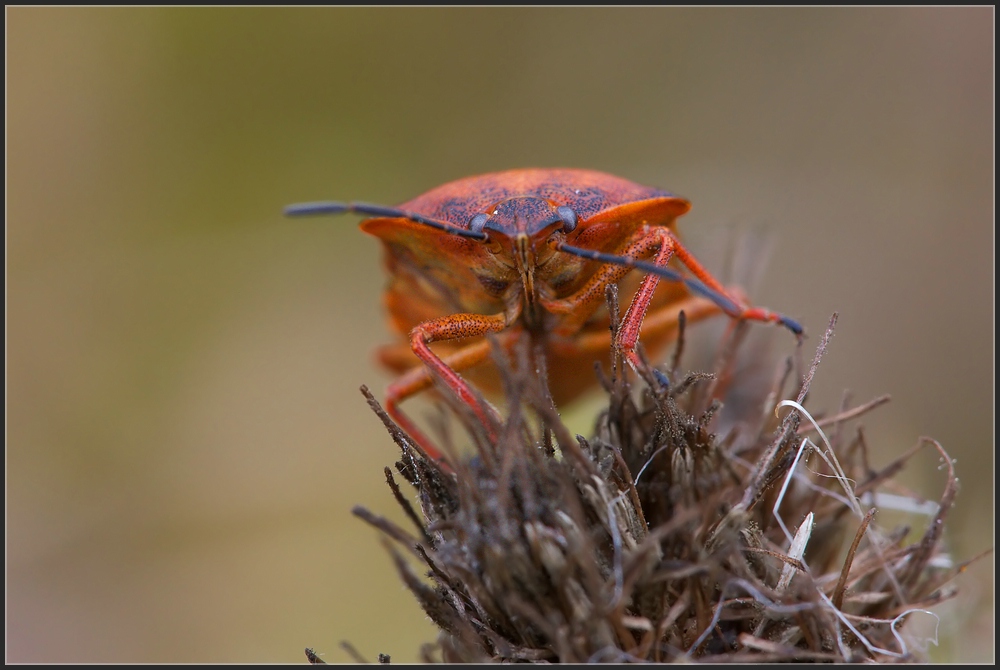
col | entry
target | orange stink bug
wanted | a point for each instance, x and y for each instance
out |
(529, 253)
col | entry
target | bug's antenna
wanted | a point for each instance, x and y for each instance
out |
(320, 208)
(694, 285)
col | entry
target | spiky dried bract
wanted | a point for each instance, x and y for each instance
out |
(674, 533)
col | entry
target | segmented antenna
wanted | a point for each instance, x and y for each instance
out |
(322, 208)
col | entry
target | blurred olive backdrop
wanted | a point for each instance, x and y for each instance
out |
(185, 435)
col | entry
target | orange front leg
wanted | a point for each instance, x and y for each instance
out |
(457, 326)
(577, 308)
(650, 239)
(628, 331)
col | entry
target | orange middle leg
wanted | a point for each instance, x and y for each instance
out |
(659, 322)
(742, 311)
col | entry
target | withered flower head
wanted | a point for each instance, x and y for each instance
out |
(666, 536)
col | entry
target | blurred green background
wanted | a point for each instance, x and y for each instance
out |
(185, 435)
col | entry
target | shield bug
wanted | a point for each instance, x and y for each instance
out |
(529, 253)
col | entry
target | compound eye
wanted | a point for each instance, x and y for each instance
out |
(568, 218)
(478, 222)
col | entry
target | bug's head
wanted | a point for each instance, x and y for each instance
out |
(521, 226)
(524, 215)
(519, 229)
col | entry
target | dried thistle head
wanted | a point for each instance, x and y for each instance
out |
(665, 536)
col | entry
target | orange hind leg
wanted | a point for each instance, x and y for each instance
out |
(458, 326)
